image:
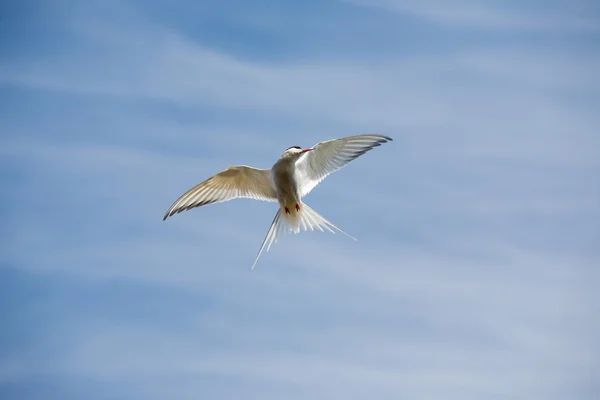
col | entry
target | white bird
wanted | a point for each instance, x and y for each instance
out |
(292, 177)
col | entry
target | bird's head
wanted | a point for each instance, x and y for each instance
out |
(294, 151)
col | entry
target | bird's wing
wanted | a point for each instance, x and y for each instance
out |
(234, 182)
(327, 157)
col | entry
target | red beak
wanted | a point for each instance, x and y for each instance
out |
(305, 150)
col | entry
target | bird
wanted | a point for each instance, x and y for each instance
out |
(294, 175)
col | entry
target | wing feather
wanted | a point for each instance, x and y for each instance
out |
(232, 183)
(332, 155)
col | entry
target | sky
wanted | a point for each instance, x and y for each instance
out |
(476, 271)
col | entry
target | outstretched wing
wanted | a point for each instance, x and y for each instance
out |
(330, 156)
(234, 182)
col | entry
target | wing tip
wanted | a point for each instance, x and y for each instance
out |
(386, 138)
(170, 212)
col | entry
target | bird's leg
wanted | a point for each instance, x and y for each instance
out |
(297, 207)
(287, 210)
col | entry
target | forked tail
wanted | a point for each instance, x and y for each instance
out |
(309, 219)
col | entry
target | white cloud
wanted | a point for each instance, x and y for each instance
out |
(448, 100)
(485, 14)
(385, 327)
(391, 317)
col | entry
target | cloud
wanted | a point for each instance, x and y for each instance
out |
(354, 335)
(398, 96)
(366, 295)
(495, 15)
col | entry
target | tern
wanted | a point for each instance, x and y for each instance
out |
(295, 174)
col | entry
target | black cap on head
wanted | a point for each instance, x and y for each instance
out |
(294, 147)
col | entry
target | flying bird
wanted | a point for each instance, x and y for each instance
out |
(295, 174)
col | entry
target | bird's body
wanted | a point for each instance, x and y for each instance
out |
(285, 185)
(291, 178)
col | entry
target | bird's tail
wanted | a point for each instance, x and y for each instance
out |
(307, 218)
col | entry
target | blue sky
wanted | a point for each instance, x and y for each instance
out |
(476, 271)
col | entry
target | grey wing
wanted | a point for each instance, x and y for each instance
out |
(233, 183)
(330, 156)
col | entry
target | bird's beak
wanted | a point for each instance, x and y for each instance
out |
(305, 150)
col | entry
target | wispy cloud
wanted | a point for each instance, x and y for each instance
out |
(434, 92)
(485, 14)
